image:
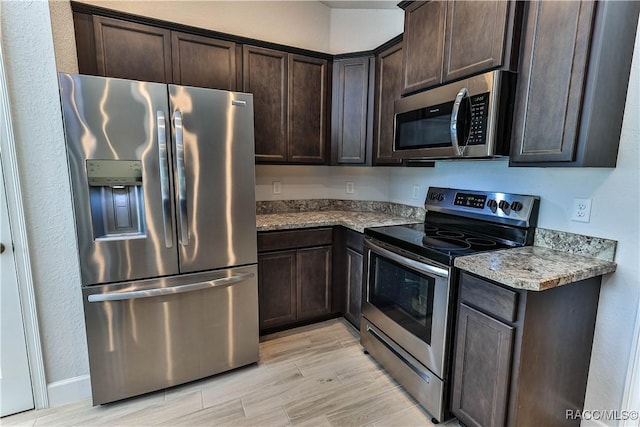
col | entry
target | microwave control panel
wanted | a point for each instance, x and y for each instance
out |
(479, 105)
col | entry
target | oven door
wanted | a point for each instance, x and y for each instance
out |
(407, 298)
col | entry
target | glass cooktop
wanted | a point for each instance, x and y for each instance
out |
(438, 243)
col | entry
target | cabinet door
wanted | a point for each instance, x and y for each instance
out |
(482, 367)
(85, 43)
(354, 287)
(132, 51)
(277, 288)
(474, 38)
(307, 109)
(423, 45)
(265, 76)
(352, 104)
(203, 61)
(549, 92)
(313, 282)
(388, 89)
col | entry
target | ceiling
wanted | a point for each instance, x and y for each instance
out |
(361, 4)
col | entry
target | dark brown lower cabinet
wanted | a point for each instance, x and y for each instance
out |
(313, 282)
(353, 300)
(521, 358)
(482, 367)
(350, 253)
(277, 288)
(294, 276)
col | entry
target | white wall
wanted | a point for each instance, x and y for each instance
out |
(321, 182)
(33, 93)
(357, 30)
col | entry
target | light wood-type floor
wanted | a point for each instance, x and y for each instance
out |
(317, 375)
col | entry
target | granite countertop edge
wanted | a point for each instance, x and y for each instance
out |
(534, 268)
(354, 220)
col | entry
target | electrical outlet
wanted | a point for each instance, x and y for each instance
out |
(416, 192)
(276, 187)
(581, 210)
(350, 187)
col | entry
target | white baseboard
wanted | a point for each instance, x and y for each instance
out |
(69, 390)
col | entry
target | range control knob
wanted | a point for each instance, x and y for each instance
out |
(504, 205)
(516, 206)
(493, 205)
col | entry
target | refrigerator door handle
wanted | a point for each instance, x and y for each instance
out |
(156, 292)
(164, 178)
(182, 181)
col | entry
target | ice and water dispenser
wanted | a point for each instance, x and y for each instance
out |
(117, 199)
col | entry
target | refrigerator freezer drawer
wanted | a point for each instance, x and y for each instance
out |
(152, 334)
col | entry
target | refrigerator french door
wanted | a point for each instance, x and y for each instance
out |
(162, 179)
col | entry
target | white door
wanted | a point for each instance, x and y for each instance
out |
(15, 381)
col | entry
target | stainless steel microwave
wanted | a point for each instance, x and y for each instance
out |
(469, 118)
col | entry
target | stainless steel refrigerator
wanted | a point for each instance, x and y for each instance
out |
(162, 179)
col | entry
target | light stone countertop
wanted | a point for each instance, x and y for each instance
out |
(354, 220)
(533, 268)
(558, 258)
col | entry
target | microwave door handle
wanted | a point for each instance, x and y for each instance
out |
(453, 129)
(182, 180)
(164, 178)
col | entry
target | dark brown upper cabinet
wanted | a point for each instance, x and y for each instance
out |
(423, 45)
(132, 51)
(388, 88)
(474, 38)
(113, 47)
(450, 40)
(572, 83)
(352, 111)
(307, 109)
(290, 105)
(204, 61)
(265, 76)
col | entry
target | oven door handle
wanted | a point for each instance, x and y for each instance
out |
(408, 262)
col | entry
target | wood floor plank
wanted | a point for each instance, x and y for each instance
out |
(371, 410)
(282, 393)
(316, 375)
(220, 414)
(407, 417)
(243, 385)
(324, 403)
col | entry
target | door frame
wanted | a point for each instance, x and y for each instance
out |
(632, 387)
(21, 247)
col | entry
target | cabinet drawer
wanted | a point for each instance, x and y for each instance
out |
(277, 240)
(488, 297)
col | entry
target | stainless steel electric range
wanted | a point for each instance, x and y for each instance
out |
(409, 283)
